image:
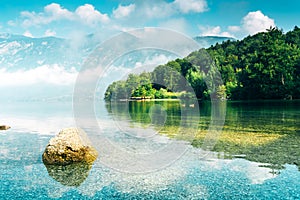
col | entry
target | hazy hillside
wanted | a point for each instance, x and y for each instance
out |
(20, 52)
(46, 68)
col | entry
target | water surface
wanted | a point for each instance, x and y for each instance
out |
(255, 156)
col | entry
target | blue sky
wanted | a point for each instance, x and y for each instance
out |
(235, 18)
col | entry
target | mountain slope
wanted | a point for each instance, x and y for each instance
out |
(207, 41)
(20, 52)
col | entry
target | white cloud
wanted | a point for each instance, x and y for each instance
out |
(52, 12)
(55, 74)
(161, 9)
(11, 23)
(255, 22)
(213, 31)
(88, 14)
(154, 61)
(179, 25)
(123, 11)
(234, 28)
(27, 34)
(33, 19)
(186, 6)
(49, 33)
(57, 12)
(252, 23)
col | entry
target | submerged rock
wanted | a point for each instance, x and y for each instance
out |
(71, 145)
(70, 175)
(4, 127)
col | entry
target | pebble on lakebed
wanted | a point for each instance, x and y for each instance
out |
(70, 146)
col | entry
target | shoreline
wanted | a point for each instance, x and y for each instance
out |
(208, 100)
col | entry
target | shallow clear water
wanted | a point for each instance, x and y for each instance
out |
(234, 169)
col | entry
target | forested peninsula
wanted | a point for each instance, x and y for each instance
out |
(263, 66)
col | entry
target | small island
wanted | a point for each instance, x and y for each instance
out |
(262, 66)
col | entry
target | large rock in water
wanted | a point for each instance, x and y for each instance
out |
(4, 127)
(71, 145)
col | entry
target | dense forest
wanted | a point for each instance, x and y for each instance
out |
(262, 66)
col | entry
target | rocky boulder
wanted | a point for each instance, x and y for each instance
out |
(71, 145)
(4, 127)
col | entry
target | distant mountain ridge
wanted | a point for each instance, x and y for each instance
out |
(21, 52)
(207, 41)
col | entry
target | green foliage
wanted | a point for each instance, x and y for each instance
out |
(221, 92)
(262, 66)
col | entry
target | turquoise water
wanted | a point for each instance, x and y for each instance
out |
(191, 176)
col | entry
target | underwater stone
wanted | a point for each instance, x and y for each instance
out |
(71, 145)
(69, 175)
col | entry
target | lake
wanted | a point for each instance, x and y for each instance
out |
(156, 150)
